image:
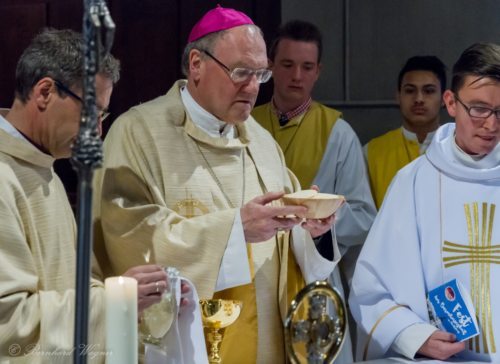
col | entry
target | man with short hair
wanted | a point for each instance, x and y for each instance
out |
(438, 223)
(37, 233)
(319, 146)
(421, 83)
(191, 180)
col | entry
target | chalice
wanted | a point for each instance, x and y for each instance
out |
(217, 314)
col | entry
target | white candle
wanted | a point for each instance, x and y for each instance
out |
(121, 320)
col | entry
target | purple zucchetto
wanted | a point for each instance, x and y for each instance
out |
(216, 20)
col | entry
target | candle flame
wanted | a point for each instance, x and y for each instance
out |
(147, 256)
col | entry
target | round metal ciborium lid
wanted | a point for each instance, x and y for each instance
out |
(219, 313)
(316, 323)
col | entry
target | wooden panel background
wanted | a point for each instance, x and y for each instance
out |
(150, 37)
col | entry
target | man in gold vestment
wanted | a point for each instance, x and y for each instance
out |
(191, 180)
(319, 146)
(37, 234)
(421, 83)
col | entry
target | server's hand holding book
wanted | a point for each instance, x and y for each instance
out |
(451, 310)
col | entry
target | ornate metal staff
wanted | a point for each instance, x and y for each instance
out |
(98, 32)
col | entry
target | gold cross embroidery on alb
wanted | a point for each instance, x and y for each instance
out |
(480, 254)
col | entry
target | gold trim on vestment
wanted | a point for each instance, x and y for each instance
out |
(188, 206)
(488, 279)
(388, 311)
(480, 254)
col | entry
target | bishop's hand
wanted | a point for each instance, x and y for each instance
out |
(318, 227)
(261, 220)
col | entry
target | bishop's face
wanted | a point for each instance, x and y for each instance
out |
(475, 136)
(210, 83)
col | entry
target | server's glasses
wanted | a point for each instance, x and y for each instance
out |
(479, 112)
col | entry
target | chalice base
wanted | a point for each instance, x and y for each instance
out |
(214, 338)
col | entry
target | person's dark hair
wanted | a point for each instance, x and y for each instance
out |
(57, 54)
(297, 30)
(481, 60)
(424, 63)
(206, 43)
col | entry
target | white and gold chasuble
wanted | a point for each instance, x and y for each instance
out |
(170, 194)
(37, 262)
(439, 221)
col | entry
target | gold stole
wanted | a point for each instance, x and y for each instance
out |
(240, 341)
(303, 140)
(387, 154)
(233, 350)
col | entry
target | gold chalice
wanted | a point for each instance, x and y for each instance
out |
(218, 314)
